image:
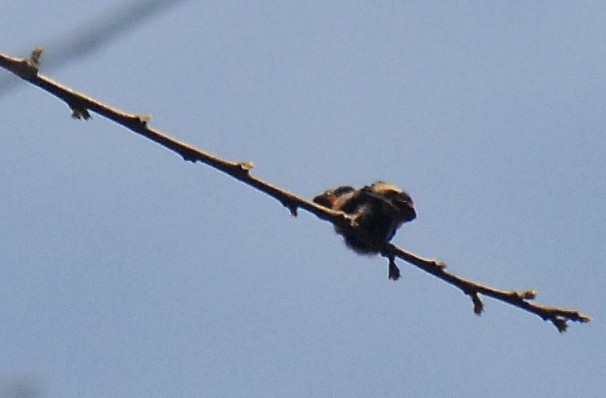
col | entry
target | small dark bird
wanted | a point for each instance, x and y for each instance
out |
(378, 210)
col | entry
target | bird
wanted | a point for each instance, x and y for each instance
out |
(378, 210)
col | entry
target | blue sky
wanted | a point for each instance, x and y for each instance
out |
(127, 272)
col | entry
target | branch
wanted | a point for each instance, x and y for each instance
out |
(80, 105)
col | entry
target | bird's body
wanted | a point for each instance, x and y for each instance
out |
(378, 210)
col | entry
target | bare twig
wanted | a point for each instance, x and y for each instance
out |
(81, 105)
(95, 33)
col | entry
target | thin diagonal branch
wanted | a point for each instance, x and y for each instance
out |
(93, 34)
(81, 105)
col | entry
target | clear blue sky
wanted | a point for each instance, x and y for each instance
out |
(126, 272)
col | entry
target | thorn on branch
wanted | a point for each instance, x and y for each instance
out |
(244, 167)
(394, 271)
(292, 207)
(529, 294)
(143, 119)
(34, 58)
(28, 68)
(478, 305)
(560, 324)
(79, 112)
(188, 155)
